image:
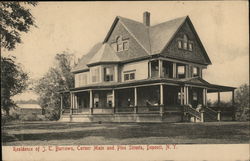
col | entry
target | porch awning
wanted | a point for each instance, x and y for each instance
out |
(210, 87)
(196, 81)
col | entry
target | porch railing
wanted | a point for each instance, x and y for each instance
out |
(148, 109)
(103, 110)
(192, 111)
(173, 108)
(80, 111)
(65, 111)
(211, 113)
(125, 110)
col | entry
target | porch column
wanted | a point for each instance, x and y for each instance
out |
(174, 70)
(61, 112)
(161, 94)
(186, 71)
(160, 67)
(185, 96)
(182, 100)
(113, 98)
(161, 100)
(205, 97)
(91, 101)
(71, 103)
(187, 99)
(149, 69)
(76, 102)
(116, 73)
(234, 108)
(135, 95)
(218, 103)
(233, 98)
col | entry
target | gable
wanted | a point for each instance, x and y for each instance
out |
(186, 33)
(162, 33)
(135, 49)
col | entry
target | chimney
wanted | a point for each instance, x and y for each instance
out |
(146, 18)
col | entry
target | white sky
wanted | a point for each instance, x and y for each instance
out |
(76, 26)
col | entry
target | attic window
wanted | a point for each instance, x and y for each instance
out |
(120, 44)
(190, 47)
(179, 44)
(185, 43)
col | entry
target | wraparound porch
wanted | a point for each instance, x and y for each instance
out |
(159, 98)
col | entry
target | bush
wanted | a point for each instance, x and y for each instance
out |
(32, 117)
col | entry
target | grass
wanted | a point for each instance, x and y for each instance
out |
(58, 133)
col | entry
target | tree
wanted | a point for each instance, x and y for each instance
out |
(13, 81)
(57, 78)
(242, 101)
(15, 19)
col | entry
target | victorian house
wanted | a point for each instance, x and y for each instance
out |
(144, 73)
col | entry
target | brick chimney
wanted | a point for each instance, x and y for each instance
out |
(146, 18)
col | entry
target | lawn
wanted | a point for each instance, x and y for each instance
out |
(58, 133)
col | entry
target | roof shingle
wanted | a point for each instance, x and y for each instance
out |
(152, 38)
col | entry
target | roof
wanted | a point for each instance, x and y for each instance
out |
(139, 31)
(82, 63)
(153, 39)
(196, 81)
(161, 34)
(104, 54)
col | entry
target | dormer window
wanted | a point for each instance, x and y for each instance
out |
(120, 44)
(185, 43)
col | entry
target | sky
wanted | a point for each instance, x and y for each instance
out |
(76, 26)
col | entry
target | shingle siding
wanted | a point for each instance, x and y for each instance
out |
(196, 56)
(134, 51)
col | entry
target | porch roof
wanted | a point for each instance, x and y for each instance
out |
(196, 81)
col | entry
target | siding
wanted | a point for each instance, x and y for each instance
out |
(135, 50)
(141, 69)
(196, 56)
(81, 79)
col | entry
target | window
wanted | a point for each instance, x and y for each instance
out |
(132, 76)
(108, 74)
(129, 76)
(179, 44)
(120, 44)
(190, 47)
(195, 71)
(181, 71)
(195, 96)
(95, 75)
(125, 45)
(81, 79)
(96, 100)
(109, 99)
(185, 40)
(126, 77)
(119, 47)
(185, 43)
